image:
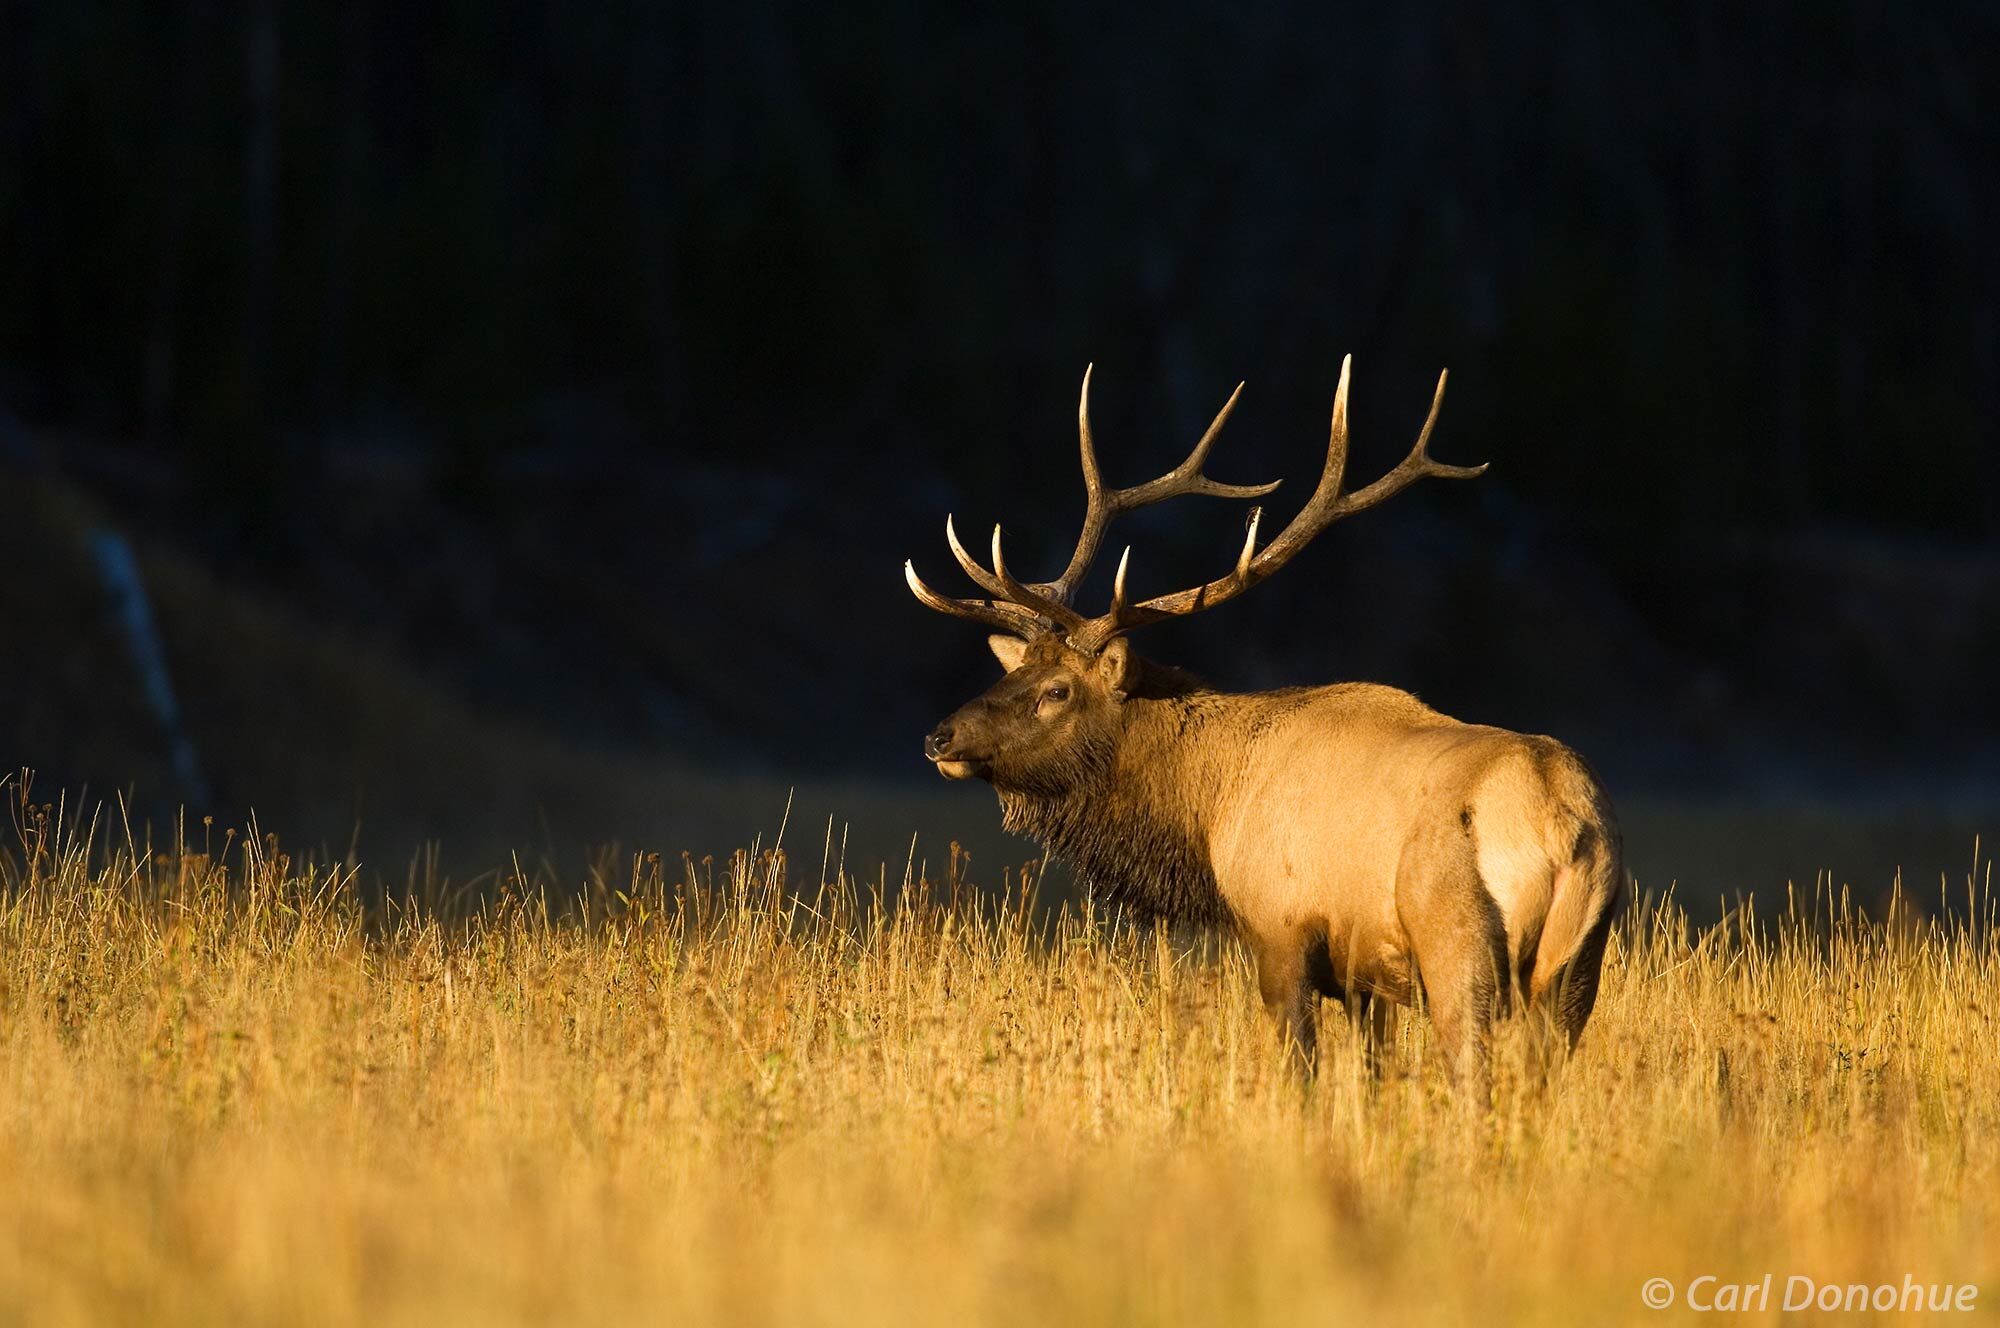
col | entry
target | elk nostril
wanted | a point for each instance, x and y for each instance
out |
(939, 740)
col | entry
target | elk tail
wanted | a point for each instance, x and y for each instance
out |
(1588, 887)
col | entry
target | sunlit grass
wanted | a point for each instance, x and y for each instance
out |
(239, 1087)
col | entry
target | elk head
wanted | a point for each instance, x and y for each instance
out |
(1055, 716)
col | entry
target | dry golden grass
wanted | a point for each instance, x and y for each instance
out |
(241, 1089)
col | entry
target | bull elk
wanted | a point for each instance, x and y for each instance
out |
(1366, 847)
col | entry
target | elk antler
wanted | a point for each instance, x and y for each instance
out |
(1327, 505)
(1030, 610)
(1101, 506)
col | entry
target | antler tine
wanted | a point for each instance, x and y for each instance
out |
(1187, 476)
(1097, 508)
(1005, 617)
(1118, 581)
(1312, 518)
(1093, 482)
(1199, 457)
(1015, 607)
(985, 580)
(1028, 596)
(1249, 541)
(1335, 471)
(1100, 505)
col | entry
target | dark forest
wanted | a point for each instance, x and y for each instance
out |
(506, 402)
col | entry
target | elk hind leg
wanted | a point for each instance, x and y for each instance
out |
(1459, 939)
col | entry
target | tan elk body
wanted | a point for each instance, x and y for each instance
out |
(1366, 847)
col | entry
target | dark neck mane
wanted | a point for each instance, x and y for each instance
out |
(1135, 829)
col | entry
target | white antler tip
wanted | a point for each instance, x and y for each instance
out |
(1249, 541)
(1340, 396)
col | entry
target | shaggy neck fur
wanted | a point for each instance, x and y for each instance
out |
(1134, 824)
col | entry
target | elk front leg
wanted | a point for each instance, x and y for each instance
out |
(1373, 1016)
(1292, 1000)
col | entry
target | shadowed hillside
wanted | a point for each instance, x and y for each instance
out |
(523, 415)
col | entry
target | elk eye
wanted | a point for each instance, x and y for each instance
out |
(1056, 693)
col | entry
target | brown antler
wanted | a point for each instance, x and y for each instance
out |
(1101, 506)
(1020, 609)
(1029, 608)
(1032, 609)
(996, 614)
(1326, 506)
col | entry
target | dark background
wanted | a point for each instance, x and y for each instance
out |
(520, 412)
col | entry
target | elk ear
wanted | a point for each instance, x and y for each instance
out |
(1115, 666)
(1009, 650)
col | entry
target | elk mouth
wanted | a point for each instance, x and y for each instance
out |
(958, 767)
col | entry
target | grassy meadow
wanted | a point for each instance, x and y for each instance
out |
(240, 1087)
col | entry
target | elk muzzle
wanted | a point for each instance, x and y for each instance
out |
(943, 748)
